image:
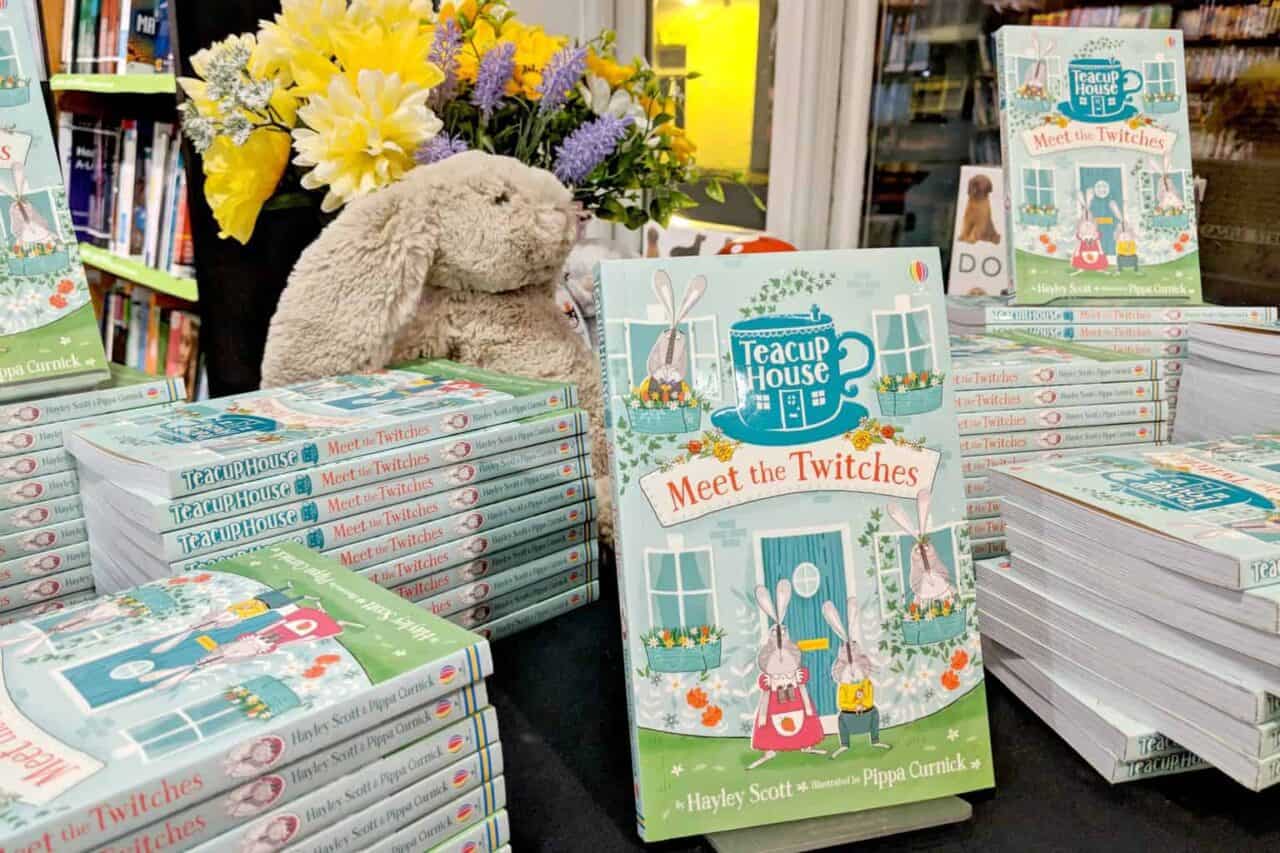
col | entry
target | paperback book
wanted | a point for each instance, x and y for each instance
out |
(579, 558)
(203, 446)
(1089, 394)
(1017, 360)
(977, 466)
(521, 598)
(22, 614)
(208, 680)
(536, 614)
(1061, 439)
(790, 534)
(1096, 149)
(49, 341)
(991, 312)
(1059, 417)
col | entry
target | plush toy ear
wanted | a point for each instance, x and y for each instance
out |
(352, 290)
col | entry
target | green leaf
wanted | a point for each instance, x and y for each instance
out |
(714, 190)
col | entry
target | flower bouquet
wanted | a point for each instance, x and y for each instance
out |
(666, 410)
(346, 96)
(692, 649)
(910, 393)
(1040, 215)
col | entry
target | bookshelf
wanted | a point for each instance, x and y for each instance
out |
(115, 84)
(139, 273)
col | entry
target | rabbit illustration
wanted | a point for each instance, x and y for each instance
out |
(667, 358)
(852, 671)
(1168, 199)
(929, 580)
(785, 718)
(26, 224)
(1088, 254)
(1036, 83)
(1126, 242)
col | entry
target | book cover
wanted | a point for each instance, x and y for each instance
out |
(987, 312)
(202, 446)
(1055, 417)
(49, 341)
(536, 614)
(1220, 497)
(477, 456)
(979, 261)
(581, 557)
(789, 533)
(1090, 394)
(572, 540)
(1016, 360)
(1096, 150)
(207, 680)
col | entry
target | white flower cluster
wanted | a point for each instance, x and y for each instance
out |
(238, 97)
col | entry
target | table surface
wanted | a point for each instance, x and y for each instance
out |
(559, 692)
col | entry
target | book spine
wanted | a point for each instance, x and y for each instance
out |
(22, 614)
(128, 177)
(978, 486)
(1062, 439)
(986, 528)
(478, 453)
(51, 586)
(1008, 317)
(122, 37)
(33, 566)
(35, 515)
(571, 519)
(485, 837)
(536, 614)
(1161, 765)
(493, 564)
(492, 586)
(76, 406)
(1089, 333)
(519, 599)
(1089, 394)
(982, 507)
(985, 549)
(166, 789)
(414, 428)
(385, 508)
(1066, 373)
(160, 145)
(1014, 420)
(420, 741)
(41, 464)
(974, 466)
(45, 538)
(67, 54)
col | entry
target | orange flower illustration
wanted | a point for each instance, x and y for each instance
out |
(697, 698)
(950, 680)
(960, 659)
(712, 716)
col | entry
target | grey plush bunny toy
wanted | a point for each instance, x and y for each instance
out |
(458, 260)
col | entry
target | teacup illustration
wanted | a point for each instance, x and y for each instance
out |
(1098, 89)
(792, 382)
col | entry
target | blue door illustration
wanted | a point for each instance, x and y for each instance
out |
(792, 409)
(814, 563)
(1107, 183)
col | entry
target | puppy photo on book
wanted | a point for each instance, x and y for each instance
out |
(978, 250)
(977, 225)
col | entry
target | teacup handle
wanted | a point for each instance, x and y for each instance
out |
(849, 379)
(1125, 90)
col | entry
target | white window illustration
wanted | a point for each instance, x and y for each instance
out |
(10, 64)
(1037, 187)
(806, 580)
(1160, 78)
(702, 366)
(892, 574)
(819, 398)
(1179, 181)
(681, 586)
(904, 339)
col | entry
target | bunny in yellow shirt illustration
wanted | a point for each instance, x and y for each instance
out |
(855, 694)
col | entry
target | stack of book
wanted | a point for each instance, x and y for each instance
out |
(1229, 385)
(151, 332)
(465, 491)
(44, 552)
(1149, 578)
(1021, 398)
(127, 188)
(271, 700)
(116, 37)
(1113, 743)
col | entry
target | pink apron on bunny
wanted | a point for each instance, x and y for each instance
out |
(1088, 254)
(789, 719)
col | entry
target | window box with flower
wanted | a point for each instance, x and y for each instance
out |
(14, 91)
(1041, 216)
(1170, 217)
(1031, 99)
(32, 259)
(1161, 102)
(934, 623)
(910, 393)
(665, 410)
(692, 649)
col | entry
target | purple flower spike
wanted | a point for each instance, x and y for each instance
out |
(588, 147)
(441, 147)
(495, 70)
(563, 71)
(444, 55)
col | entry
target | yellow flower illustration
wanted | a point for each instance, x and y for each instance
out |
(361, 137)
(723, 450)
(861, 439)
(238, 179)
(909, 378)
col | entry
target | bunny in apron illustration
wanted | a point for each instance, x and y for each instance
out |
(785, 719)
(852, 671)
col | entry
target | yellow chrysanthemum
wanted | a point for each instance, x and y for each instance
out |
(301, 27)
(682, 147)
(608, 70)
(238, 179)
(474, 48)
(390, 11)
(362, 136)
(534, 48)
(392, 47)
(654, 107)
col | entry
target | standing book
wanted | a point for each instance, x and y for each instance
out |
(1097, 156)
(795, 573)
(49, 340)
(174, 692)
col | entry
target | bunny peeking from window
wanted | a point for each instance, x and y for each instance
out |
(1036, 83)
(26, 224)
(669, 356)
(785, 720)
(852, 671)
(1169, 201)
(930, 583)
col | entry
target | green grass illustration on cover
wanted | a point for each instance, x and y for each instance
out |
(796, 582)
(1097, 154)
(49, 340)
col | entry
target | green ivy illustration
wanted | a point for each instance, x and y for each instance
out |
(795, 283)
